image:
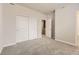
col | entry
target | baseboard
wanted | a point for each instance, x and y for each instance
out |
(1, 49)
(15, 43)
(26, 40)
(9, 45)
(66, 42)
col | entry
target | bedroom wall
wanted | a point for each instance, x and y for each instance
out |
(9, 21)
(65, 24)
(8, 15)
(1, 42)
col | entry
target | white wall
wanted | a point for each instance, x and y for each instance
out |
(1, 42)
(48, 25)
(65, 24)
(9, 23)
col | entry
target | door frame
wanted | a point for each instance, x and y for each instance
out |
(76, 30)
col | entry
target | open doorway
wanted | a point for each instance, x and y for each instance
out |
(43, 27)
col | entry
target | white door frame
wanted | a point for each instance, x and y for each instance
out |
(76, 30)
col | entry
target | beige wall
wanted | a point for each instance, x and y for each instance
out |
(65, 24)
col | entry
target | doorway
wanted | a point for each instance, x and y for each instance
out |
(43, 27)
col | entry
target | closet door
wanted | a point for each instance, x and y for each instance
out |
(21, 28)
(32, 28)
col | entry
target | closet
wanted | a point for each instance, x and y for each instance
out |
(26, 28)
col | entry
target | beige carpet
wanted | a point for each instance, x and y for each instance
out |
(44, 46)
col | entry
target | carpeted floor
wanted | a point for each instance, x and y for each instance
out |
(44, 46)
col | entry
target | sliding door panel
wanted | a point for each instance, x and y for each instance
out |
(21, 28)
(32, 28)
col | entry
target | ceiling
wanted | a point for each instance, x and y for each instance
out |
(46, 7)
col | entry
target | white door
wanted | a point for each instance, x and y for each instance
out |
(32, 28)
(21, 28)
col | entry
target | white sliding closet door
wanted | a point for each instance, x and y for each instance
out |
(21, 28)
(32, 28)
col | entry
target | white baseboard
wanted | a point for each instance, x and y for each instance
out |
(9, 44)
(15, 43)
(1, 50)
(26, 40)
(65, 42)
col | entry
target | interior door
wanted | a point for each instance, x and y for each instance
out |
(32, 28)
(21, 28)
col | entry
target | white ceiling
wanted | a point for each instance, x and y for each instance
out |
(45, 7)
